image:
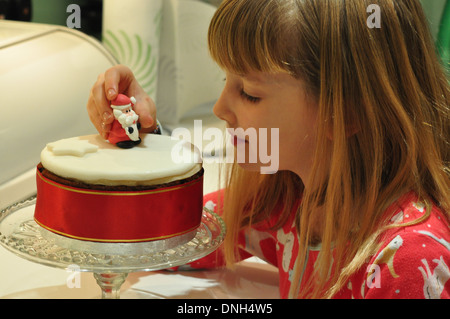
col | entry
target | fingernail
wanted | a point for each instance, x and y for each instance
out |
(111, 93)
(106, 116)
(105, 128)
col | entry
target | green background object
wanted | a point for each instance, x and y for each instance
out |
(437, 11)
(443, 38)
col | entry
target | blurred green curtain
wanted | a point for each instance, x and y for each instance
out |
(443, 39)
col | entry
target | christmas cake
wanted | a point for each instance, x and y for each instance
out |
(92, 190)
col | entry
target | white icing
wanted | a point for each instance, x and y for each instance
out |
(148, 163)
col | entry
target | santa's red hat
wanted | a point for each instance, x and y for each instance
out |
(122, 102)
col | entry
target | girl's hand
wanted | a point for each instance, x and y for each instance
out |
(119, 79)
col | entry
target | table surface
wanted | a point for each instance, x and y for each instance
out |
(252, 278)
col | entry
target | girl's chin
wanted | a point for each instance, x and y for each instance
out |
(252, 167)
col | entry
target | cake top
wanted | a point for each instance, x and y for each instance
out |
(157, 159)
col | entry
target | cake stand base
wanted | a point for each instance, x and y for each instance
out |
(110, 284)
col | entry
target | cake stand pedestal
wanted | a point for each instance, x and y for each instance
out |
(109, 262)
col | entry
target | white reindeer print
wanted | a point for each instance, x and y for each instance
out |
(434, 282)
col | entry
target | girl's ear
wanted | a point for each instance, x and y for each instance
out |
(351, 127)
(350, 130)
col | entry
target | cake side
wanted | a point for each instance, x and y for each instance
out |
(119, 216)
(126, 187)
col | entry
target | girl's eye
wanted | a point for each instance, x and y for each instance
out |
(250, 98)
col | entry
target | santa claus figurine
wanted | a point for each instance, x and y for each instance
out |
(125, 128)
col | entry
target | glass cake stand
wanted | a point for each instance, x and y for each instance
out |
(109, 262)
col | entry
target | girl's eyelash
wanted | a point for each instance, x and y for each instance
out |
(249, 97)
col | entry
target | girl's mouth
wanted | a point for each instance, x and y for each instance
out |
(235, 139)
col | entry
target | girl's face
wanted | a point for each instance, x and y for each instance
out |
(259, 102)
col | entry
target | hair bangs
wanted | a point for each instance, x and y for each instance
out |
(243, 36)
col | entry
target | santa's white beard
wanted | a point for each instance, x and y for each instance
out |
(128, 120)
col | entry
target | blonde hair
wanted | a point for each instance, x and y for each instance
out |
(386, 84)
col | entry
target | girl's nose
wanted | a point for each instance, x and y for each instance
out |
(223, 110)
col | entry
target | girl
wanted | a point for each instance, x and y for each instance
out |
(359, 207)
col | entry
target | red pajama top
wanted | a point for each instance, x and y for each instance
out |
(413, 261)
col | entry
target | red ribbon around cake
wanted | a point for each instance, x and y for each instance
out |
(111, 216)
